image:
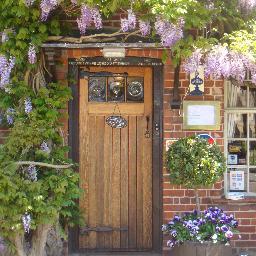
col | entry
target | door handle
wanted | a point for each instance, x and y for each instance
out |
(147, 133)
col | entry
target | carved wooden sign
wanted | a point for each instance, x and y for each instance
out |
(127, 61)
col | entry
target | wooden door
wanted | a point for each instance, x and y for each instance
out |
(116, 164)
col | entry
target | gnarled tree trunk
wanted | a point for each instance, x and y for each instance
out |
(38, 242)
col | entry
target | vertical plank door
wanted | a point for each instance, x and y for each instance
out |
(116, 164)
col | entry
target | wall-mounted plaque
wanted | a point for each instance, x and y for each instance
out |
(201, 115)
(196, 86)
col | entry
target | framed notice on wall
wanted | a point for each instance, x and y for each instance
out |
(201, 115)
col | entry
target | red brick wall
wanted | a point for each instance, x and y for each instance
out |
(176, 199)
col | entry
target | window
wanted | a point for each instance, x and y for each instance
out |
(116, 88)
(240, 138)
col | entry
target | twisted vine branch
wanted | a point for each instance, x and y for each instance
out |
(65, 166)
(91, 37)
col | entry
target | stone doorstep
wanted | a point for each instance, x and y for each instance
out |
(116, 254)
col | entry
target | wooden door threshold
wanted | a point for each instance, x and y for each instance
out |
(116, 254)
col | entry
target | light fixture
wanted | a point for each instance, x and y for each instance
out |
(113, 52)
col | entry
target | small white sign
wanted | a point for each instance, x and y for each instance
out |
(201, 115)
(236, 180)
(232, 159)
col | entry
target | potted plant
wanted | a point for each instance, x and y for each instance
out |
(204, 233)
(197, 163)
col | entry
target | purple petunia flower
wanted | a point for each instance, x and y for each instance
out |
(229, 234)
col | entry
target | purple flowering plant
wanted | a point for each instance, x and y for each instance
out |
(211, 225)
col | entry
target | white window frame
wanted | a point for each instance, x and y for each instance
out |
(244, 110)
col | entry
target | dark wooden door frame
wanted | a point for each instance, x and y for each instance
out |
(74, 75)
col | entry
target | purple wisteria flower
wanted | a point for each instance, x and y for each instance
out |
(145, 27)
(220, 62)
(129, 23)
(32, 54)
(26, 221)
(5, 70)
(247, 4)
(194, 61)
(88, 17)
(28, 105)
(46, 7)
(169, 33)
(10, 116)
(44, 147)
(31, 173)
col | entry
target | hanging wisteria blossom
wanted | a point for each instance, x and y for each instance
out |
(26, 221)
(5, 70)
(32, 54)
(194, 61)
(88, 17)
(129, 23)
(46, 7)
(145, 27)
(28, 105)
(169, 33)
(44, 147)
(247, 4)
(10, 116)
(220, 62)
(31, 173)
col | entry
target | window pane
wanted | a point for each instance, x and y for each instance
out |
(97, 89)
(237, 125)
(237, 179)
(135, 89)
(253, 153)
(252, 125)
(252, 180)
(237, 153)
(237, 96)
(252, 97)
(116, 87)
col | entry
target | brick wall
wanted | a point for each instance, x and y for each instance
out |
(176, 199)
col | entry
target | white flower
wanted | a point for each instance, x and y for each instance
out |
(214, 237)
